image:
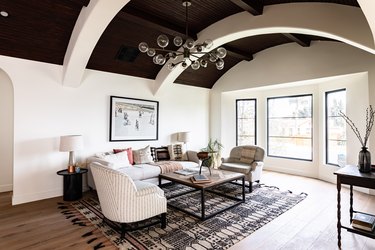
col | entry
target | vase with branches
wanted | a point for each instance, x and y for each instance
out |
(364, 157)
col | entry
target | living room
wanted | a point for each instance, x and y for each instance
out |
(37, 109)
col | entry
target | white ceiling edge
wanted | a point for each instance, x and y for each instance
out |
(321, 19)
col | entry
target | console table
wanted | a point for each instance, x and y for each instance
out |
(72, 184)
(350, 175)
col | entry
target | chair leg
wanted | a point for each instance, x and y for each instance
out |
(163, 220)
(250, 187)
(123, 226)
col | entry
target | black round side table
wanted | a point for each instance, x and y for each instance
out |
(72, 184)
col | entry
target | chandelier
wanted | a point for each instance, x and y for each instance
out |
(191, 53)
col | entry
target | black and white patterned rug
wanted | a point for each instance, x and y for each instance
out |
(186, 232)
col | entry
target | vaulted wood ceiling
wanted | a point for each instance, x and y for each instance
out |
(40, 30)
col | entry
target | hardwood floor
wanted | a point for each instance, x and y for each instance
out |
(309, 225)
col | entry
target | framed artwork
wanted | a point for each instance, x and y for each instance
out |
(133, 119)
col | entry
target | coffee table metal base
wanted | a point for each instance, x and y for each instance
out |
(203, 190)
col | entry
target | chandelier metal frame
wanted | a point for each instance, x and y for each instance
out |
(191, 52)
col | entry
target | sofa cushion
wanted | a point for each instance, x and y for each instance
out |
(236, 167)
(128, 150)
(142, 155)
(141, 171)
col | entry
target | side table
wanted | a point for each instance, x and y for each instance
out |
(72, 184)
(351, 176)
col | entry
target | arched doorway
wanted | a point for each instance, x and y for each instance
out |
(6, 131)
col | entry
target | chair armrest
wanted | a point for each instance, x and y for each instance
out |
(257, 165)
(192, 156)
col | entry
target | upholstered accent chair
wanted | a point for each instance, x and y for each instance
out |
(124, 200)
(247, 160)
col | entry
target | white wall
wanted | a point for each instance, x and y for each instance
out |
(290, 63)
(6, 132)
(356, 88)
(44, 110)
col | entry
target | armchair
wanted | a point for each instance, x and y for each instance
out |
(247, 160)
(124, 200)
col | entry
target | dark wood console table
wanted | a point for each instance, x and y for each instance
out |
(350, 175)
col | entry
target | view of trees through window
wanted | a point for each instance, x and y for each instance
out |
(290, 127)
(335, 128)
(246, 121)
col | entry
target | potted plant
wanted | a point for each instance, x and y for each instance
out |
(213, 151)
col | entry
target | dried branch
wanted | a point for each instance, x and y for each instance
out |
(370, 118)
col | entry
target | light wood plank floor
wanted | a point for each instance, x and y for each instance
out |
(309, 225)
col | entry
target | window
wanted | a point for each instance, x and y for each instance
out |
(335, 128)
(289, 127)
(246, 121)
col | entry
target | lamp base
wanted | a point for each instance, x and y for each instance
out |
(71, 169)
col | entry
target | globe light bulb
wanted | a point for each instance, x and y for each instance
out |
(195, 65)
(151, 52)
(178, 41)
(160, 59)
(221, 52)
(189, 43)
(204, 63)
(212, 57)
(208, 43)
(162, 41)
(143, 47)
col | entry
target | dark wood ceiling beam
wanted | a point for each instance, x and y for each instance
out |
(239, 54)
(298, 38)
(152, 22)
(250, 6)
(81, 2)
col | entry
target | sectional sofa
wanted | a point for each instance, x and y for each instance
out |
(139, 170)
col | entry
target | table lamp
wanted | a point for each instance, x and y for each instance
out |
(71, 143)
(183, 137)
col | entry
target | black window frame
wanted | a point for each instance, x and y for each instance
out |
(326, 124)
(312, 127)
(255, 118)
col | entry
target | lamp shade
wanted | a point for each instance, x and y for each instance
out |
(183, 137)
(71, 143)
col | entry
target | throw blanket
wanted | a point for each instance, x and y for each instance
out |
(168, 166)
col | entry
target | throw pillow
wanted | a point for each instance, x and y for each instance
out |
(153, 153)
(128, 150)
(162, 154)
(116, 161)
(177, 152)
(247, 155)
(142, 155)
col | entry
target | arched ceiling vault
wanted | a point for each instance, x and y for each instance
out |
(104, 35)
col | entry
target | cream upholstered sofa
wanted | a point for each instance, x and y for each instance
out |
(247, 160)
(124, 200)
(145, 171)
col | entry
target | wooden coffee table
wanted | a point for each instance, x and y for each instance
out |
(217, 178)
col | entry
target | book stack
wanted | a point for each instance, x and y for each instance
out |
(186, 172)
(363, 221)
(200, 178)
